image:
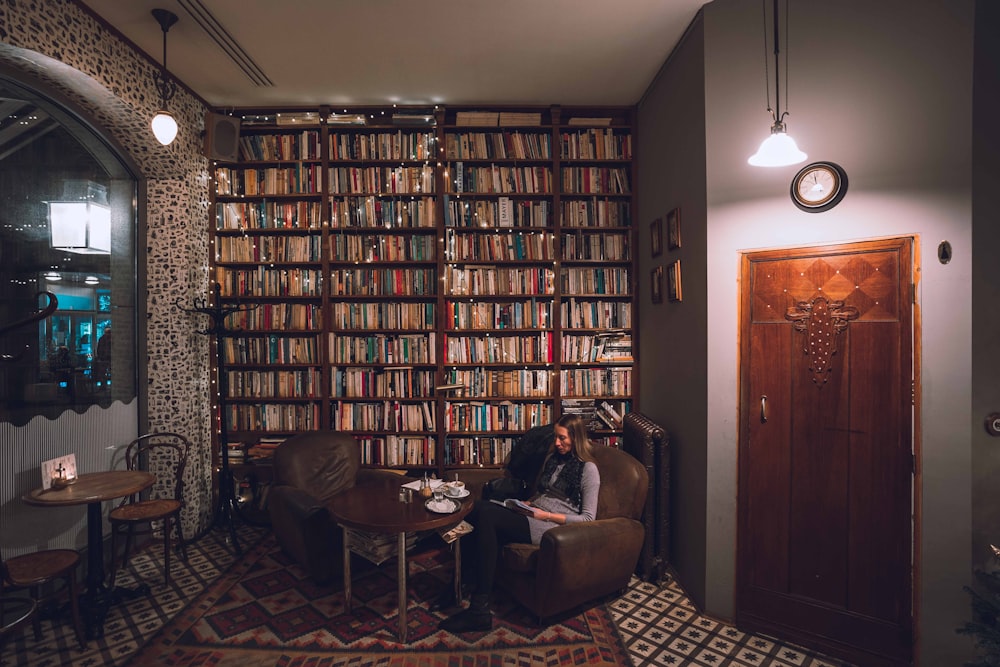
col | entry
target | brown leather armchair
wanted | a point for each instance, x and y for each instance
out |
(580, 562)
(310, 469)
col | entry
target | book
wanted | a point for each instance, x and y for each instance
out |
(449, 535)
(580, 120)
(516, 505)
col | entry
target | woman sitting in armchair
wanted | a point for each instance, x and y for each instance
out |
(568, 491)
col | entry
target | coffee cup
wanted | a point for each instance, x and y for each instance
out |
(455, 489)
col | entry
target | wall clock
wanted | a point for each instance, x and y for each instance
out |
(819, 186)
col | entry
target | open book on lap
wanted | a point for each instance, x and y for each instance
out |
(518, 506)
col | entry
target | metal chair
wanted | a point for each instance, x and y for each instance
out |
(31, 572)
(165, 456)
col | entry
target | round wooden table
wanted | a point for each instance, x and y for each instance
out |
(92, 489)
(375, 507)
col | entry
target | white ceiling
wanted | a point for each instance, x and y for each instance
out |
(378, 52)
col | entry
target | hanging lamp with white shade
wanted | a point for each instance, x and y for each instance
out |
(163, 124)
(778, 149)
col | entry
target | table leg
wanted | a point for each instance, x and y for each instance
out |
(458, 570)
(401, 560)
(347, 572)
(95, 600)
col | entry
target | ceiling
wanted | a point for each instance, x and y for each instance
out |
(265, 53)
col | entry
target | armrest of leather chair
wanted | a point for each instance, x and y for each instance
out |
(303, 528)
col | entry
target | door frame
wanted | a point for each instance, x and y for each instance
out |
(916, 399)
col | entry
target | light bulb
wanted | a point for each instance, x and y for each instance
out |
(164, 127)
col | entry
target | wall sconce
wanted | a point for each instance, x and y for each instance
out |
(779, 149)
(164, 126)
(81, 224)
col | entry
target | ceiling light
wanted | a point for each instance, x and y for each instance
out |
(164, 126)
(779, 149)
(91, 280)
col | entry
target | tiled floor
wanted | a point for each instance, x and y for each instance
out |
(659, 625)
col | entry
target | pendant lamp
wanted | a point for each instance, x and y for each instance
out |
(779, 149)
(164, 126)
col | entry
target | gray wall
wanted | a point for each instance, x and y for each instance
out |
(884, 89)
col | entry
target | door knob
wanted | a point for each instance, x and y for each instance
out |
(763, 409)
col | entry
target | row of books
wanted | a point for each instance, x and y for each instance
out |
(268, 215)
(388, 383)
(383, 247)
(397, 450)
(488, 118)
(498, 145)
(534, 349)
(382, 349)
(383, 282)
(249, 181)
(271, 349)
(596, 180)
(499, 280)
(483, 451)
(386, 180)
(283, 316)
(595, 281)
(398, 145)
(506, 416)
(596, 144)
(266, 281)
(596, 348)
(588, 314)
(274, 384)
(483, 383)
(379, 212)
(383, 315)
(268, 248)
(383, 416)
(286, 146)
(498, 246)
(604, 246)
(501, 212)
(273, 417)
(596, 212)
(596, 382)
(478, 315)
(500, 179)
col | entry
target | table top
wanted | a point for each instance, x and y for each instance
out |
(375, 507)
(93, 487)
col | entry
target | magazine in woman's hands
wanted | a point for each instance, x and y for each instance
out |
(518, 506)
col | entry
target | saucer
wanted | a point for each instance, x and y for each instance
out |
(443, 506)
(463, 494)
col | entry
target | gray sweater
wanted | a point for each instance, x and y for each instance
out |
(590, 485)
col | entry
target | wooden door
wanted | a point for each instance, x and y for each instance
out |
(825, 459)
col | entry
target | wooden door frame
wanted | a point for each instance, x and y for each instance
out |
(916, 431)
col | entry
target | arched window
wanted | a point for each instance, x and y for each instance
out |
(67, 228)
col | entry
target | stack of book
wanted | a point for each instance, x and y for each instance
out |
(375, 547)
(301, 118)
(585, 407)
(615, 348)
(237, 452)
(519, 118)
(264, 450)
(589, 121)
(477, 118)
(611, 417)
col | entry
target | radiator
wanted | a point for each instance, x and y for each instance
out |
(648, 442)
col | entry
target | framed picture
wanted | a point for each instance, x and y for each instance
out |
(674, 229)
(656, 284)
(674, 281)
(656, 237)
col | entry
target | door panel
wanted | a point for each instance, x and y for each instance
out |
(824, 498)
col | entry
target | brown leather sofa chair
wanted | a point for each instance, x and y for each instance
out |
(310, 469)
(580, 562)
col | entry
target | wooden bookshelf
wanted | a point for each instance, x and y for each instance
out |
(434, 281)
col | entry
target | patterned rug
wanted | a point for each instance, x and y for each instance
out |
(264, 611)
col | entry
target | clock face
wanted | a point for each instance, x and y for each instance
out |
(819, 187)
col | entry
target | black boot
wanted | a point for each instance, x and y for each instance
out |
(477, 618)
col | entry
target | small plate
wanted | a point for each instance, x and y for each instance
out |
(444, 506)
(464, 494)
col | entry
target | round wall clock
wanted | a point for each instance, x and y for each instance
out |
(819, 186)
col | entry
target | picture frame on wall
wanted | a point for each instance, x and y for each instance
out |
(656, 237)
(674, 281)
(656, 284)
(674, 229)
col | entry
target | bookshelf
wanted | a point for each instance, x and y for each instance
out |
(434, 281)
